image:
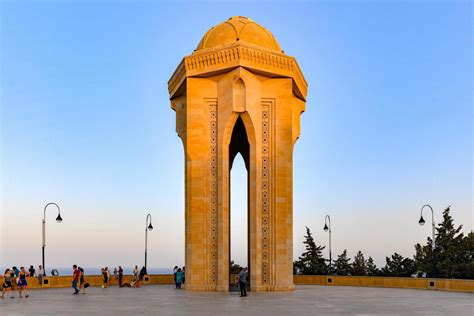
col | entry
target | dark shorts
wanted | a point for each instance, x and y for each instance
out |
(7, 285)
(106, 279)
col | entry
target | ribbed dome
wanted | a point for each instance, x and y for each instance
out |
(239, 28)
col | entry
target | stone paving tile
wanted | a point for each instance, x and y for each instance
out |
(305, 300)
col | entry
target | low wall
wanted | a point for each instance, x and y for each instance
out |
(394, 282)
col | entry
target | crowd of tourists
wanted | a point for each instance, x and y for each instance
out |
(15, 279)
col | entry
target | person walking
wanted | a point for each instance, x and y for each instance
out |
(179, 278)
(81, 280)
(40, 274)
(242, 282)
(7, 283)
(75, 278)
(120, 275)
(22, 284)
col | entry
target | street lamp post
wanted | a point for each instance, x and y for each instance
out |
(58, 219)
(433, 228)
(147, 228)
(327, 220)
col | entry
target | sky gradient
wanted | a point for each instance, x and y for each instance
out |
(86, 123)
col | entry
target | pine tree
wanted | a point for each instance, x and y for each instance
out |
(371, 268)
(424, 258)
(453, 251)
(449, 250)
(311, 262)
(465, 268)
(342, 265)
(358, 266)
(398, 266)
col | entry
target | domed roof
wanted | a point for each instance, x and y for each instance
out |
(239, 28)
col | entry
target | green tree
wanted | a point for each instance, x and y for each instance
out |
(371, 268)
(358, 266)
(450, 248)
(234, 267)
(398, 266)
(342, 265)
(310, 262)
(453, 251)
(465, 269)
(424, 258)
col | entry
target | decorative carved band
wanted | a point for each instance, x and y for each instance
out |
(213, 202)
(267, 137)
(237, 54)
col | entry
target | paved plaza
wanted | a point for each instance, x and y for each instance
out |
(305, 300)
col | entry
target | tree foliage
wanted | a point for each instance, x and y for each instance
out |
(311, 261)
(359, 264)
(398, 266)
(454, 254)
(342, 265)
(371, 268)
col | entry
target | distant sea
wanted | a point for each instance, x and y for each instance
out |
(96, 271)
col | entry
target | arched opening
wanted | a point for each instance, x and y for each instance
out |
(239, 200)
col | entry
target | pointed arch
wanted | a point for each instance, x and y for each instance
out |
(239, 96)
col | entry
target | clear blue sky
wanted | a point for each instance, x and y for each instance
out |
(86, 123)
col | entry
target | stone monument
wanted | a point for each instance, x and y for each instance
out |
(238, 92)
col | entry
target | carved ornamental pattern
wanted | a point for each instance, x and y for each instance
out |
(213, 202)
(267, 136)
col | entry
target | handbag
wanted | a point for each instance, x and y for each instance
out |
(86, 285)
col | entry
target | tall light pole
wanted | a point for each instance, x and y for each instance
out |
(58, 219)
(433, 228)
(147, 228)
(422, 222)
(327, 220)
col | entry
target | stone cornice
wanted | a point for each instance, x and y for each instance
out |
(235, 55)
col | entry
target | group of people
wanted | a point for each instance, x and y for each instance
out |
(78, 277)
(15, 278)
(179, 276)
(118, 274)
